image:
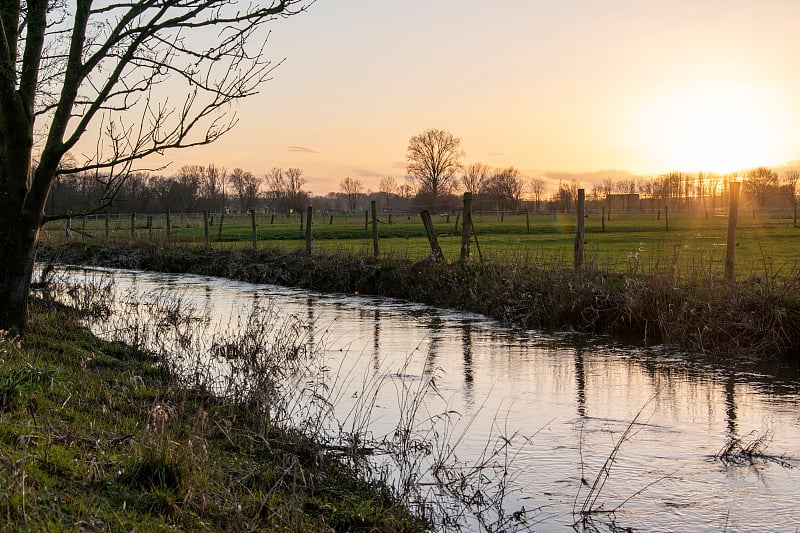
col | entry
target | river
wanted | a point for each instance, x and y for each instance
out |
(561, 423)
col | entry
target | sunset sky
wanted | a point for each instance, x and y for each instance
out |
(564, 86)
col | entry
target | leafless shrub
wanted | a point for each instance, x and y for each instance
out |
(742, 452)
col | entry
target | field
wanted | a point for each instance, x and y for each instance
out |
(767, 245)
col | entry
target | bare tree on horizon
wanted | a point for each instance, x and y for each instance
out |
(434, 158)
(474, 177)
(352, 189)
(388, 187)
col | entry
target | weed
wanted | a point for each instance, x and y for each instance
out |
(589, 511)
(749, 452)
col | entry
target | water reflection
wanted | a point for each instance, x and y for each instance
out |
(572, 397)
(730, 405)
(580, 382)
(311, 322)
(434, 325)
(466, 344)
(376, 341)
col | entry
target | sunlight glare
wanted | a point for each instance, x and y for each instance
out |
(715, 128)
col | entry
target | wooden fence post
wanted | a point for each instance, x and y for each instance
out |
(133, 225)
(169, 225)
(219, 229)
(733, 216)
(436, 251)
(580, 233)
(466, 226)
(309, 213)
(253, 228)
(366, 223)
(83, 228)
(603, 220)
(666, 217)
(527, 222)
(205, 227)
(108, 216)
(374, 210)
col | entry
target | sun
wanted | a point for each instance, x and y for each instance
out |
(714, 127)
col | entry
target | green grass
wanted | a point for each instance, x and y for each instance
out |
(95, 437)
(629, 242)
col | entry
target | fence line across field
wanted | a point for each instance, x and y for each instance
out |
(370, 226)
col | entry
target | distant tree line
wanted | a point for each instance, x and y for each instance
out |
(192, 188)
(436, 178)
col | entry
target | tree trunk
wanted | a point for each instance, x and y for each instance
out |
(17, 257)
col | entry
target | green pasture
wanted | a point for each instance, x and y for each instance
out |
(628, 242)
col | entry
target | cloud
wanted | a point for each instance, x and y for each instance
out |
(367, 173)
(303, 149)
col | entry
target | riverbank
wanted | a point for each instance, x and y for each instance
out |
(696, 311)
(96, 436)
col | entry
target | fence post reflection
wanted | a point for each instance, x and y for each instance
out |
(580, 382)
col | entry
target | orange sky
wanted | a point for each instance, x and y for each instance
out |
(562, 86)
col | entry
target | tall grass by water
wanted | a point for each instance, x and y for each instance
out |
(253, 398)
(101, 435)
(672, 299)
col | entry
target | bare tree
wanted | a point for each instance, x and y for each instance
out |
(790, 179)
(405, 191)
(567, 194)
(388, 187)
(276, 188)
(505, 187)
(352, 190)
(713, 185)
(296, 197)
(760, 181)
(474, 177)
(72, 68)
(434, 158)
(538, 189)
(188, 180)
(607, 187)
(212, 186)
(246, 185)
(285, 189)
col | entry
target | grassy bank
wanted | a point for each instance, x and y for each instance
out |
(96, 436)
(691, 308)
(624, 243)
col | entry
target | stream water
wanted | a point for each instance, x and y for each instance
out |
(588, 424)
